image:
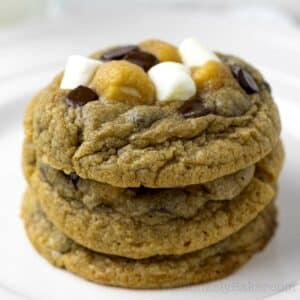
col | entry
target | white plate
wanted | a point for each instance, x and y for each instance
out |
(25, 275)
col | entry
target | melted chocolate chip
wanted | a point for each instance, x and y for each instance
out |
(246, 81)
(193, 108)
(117, 53)
(132, 54)
(74, 178)
(80, 96)
(143, 59)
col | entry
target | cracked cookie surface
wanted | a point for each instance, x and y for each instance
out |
(133, 225)
(154, 145)
(152, 166)
(143, 202)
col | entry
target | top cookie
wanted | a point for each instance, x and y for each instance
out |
(154, 115)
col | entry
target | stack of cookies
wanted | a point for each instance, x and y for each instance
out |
(152, 166)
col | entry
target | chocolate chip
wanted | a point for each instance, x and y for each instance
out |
(117, 53)
(132, 54)
(74, 178)
(246, 81)
(235, 69)
(193, 108)
(80, 96)
(143, 59)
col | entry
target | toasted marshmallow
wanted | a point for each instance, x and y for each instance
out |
(172, 81)
(194, 54)
(78, 71)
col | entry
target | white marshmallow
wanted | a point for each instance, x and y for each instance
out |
(172, 81)
(78, 71)
(193, 53)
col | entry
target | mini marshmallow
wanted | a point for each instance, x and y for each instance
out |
(194, 54)
(172, 81)
(78, 71)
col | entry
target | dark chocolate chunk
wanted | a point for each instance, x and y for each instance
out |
(235, 69)
(193, 108)
(143, 59)
(132, 54)
(246, 81)
(117, 53)
(80, 96)
(74, 178)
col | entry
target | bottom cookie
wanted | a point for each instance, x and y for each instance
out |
(208, 264)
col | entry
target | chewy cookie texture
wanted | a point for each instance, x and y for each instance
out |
(204, 265)
(152, 166)
(139, 223)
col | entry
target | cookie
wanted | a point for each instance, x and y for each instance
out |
(211, 263)
(152, 166)
(106, 230)
(222, 129)
(94, 193)
(270, 167)
(130, 222)
(28, 158)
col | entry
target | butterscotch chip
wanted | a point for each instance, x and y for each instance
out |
(125, 82)
(162, 50)
(213, 76)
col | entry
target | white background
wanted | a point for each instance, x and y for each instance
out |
(13, 11)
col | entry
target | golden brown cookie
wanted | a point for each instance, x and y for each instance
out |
(208, 264)
(106, 230)
(152, 166)
(156, 145)
(270, 167)
(131, 222)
